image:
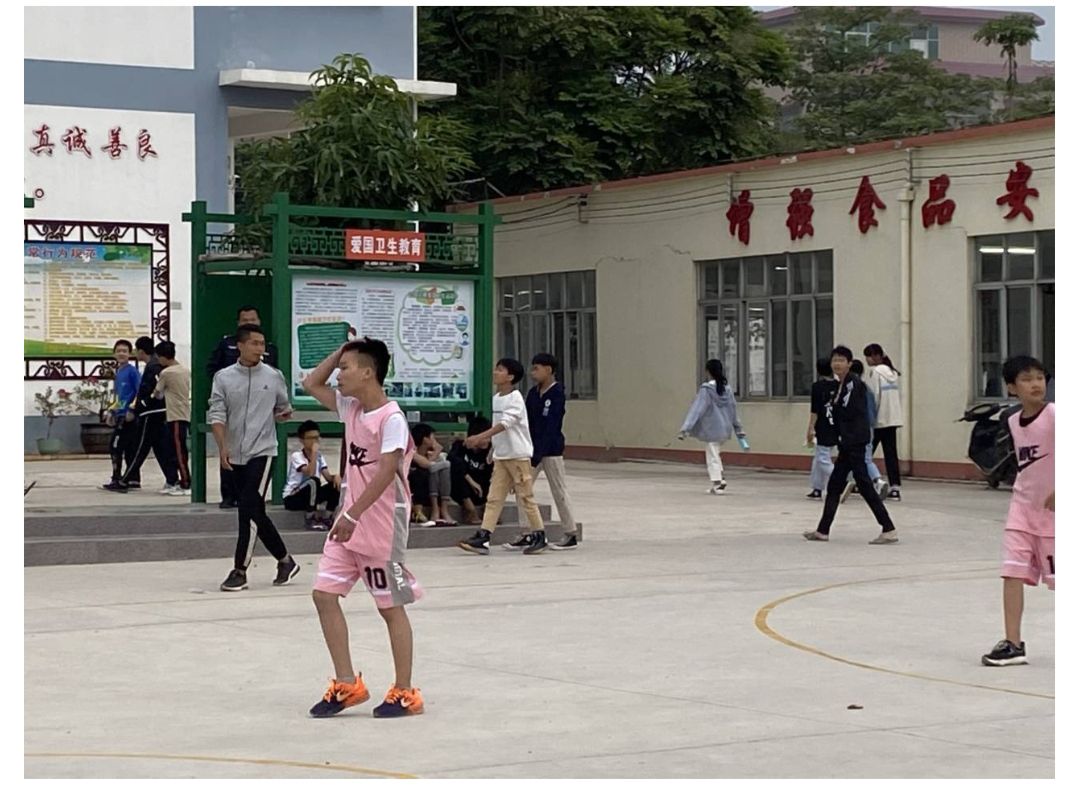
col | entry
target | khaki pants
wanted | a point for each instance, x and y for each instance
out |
(507, 475)
(554, 469)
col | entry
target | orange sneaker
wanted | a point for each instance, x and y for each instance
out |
(399, 703)
(339, 696)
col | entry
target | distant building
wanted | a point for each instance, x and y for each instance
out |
(948, 38)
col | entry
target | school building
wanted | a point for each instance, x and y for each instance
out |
(938, 247)
(130, 114)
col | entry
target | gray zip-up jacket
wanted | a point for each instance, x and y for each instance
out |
(246, 399)
(713, 416)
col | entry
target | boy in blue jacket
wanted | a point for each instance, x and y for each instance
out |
(545, 406)
(121, 418)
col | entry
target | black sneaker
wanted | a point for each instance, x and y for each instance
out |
(568, 542)
(814, 494)
(286, 571)
(227, 504)
(237, 580)
(519, 544)
(114, 487)
(480, 543)
(1005, 653)
(134, 486)
(894, 494)
(537, 543)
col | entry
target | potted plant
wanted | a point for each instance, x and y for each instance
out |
(50, 406)
(93, 397)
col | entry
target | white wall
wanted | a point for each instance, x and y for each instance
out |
(98, 188)
(151, 36)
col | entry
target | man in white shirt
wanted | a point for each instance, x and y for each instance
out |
(512, 452)
(303, 489)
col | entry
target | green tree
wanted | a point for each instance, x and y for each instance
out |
(359, 147)
(858, 80)
(1010, 33)
(557, 96)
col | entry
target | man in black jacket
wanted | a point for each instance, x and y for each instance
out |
(150, 420)
(224, 355)
(846, 412)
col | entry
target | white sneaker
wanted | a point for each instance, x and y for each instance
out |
(167, 490)
(176, 490)
(718, 490)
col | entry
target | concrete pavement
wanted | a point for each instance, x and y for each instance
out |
(691, 636)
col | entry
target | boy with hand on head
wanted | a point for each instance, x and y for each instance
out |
(512, 454)
(546, 407)
(370, 537)
(303, 488)
(1028, 546)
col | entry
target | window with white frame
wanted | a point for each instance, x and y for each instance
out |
(768, 319)
(553, 313)
(1014, 304)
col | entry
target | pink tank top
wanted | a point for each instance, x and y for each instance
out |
(1034, 445)
(382, 531)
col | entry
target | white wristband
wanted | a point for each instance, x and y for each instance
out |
(349, 517)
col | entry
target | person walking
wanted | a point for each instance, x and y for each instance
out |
(883, 381)
(820, 433)
(149, 412)
(712, 419)
(246, 399)
(174, 386)
(847, 413)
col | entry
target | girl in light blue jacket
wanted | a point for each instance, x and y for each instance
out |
(712, 419)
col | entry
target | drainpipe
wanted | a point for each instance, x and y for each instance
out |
(906, 197)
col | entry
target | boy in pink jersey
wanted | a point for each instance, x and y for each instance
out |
(1028, 547)
(369, 538)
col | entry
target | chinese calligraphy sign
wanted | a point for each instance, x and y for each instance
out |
(937, 209)
(738, 216)
(800, 212)
(1017, 192)
(866, 201)
(76, 139)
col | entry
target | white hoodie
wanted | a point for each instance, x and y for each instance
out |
(884, 384)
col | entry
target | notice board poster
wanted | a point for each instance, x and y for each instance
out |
(80, 298)
(426, 323)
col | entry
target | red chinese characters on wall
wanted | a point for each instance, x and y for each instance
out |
(76, 139)
(43, 144)
(738, 216)
(1017, 192)
(114, 147)
(937, 209)
(799, 213)
(866, 201)
(145, 149)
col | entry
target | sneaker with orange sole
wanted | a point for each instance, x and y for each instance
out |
(339, 696)
(399, 703)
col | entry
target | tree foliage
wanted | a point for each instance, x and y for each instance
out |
(557, 96)
(857, 80)
(359, 147)
(1010, 33)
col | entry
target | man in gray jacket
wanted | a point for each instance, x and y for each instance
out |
(246, 399)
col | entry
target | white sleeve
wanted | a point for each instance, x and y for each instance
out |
(344, 404)
(297, 460)
(395, 434)
(320, 464)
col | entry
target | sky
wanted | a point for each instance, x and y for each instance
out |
(1042, 50)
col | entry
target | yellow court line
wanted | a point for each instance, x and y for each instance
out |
(761, 621)
(227, 760)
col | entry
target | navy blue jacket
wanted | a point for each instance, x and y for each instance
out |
(545, 421)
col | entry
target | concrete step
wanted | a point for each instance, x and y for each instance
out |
(191, 532)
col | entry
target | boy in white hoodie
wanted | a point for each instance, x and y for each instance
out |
(512, 451)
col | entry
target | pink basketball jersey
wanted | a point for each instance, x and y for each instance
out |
(382, 531)
(1033, 441)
